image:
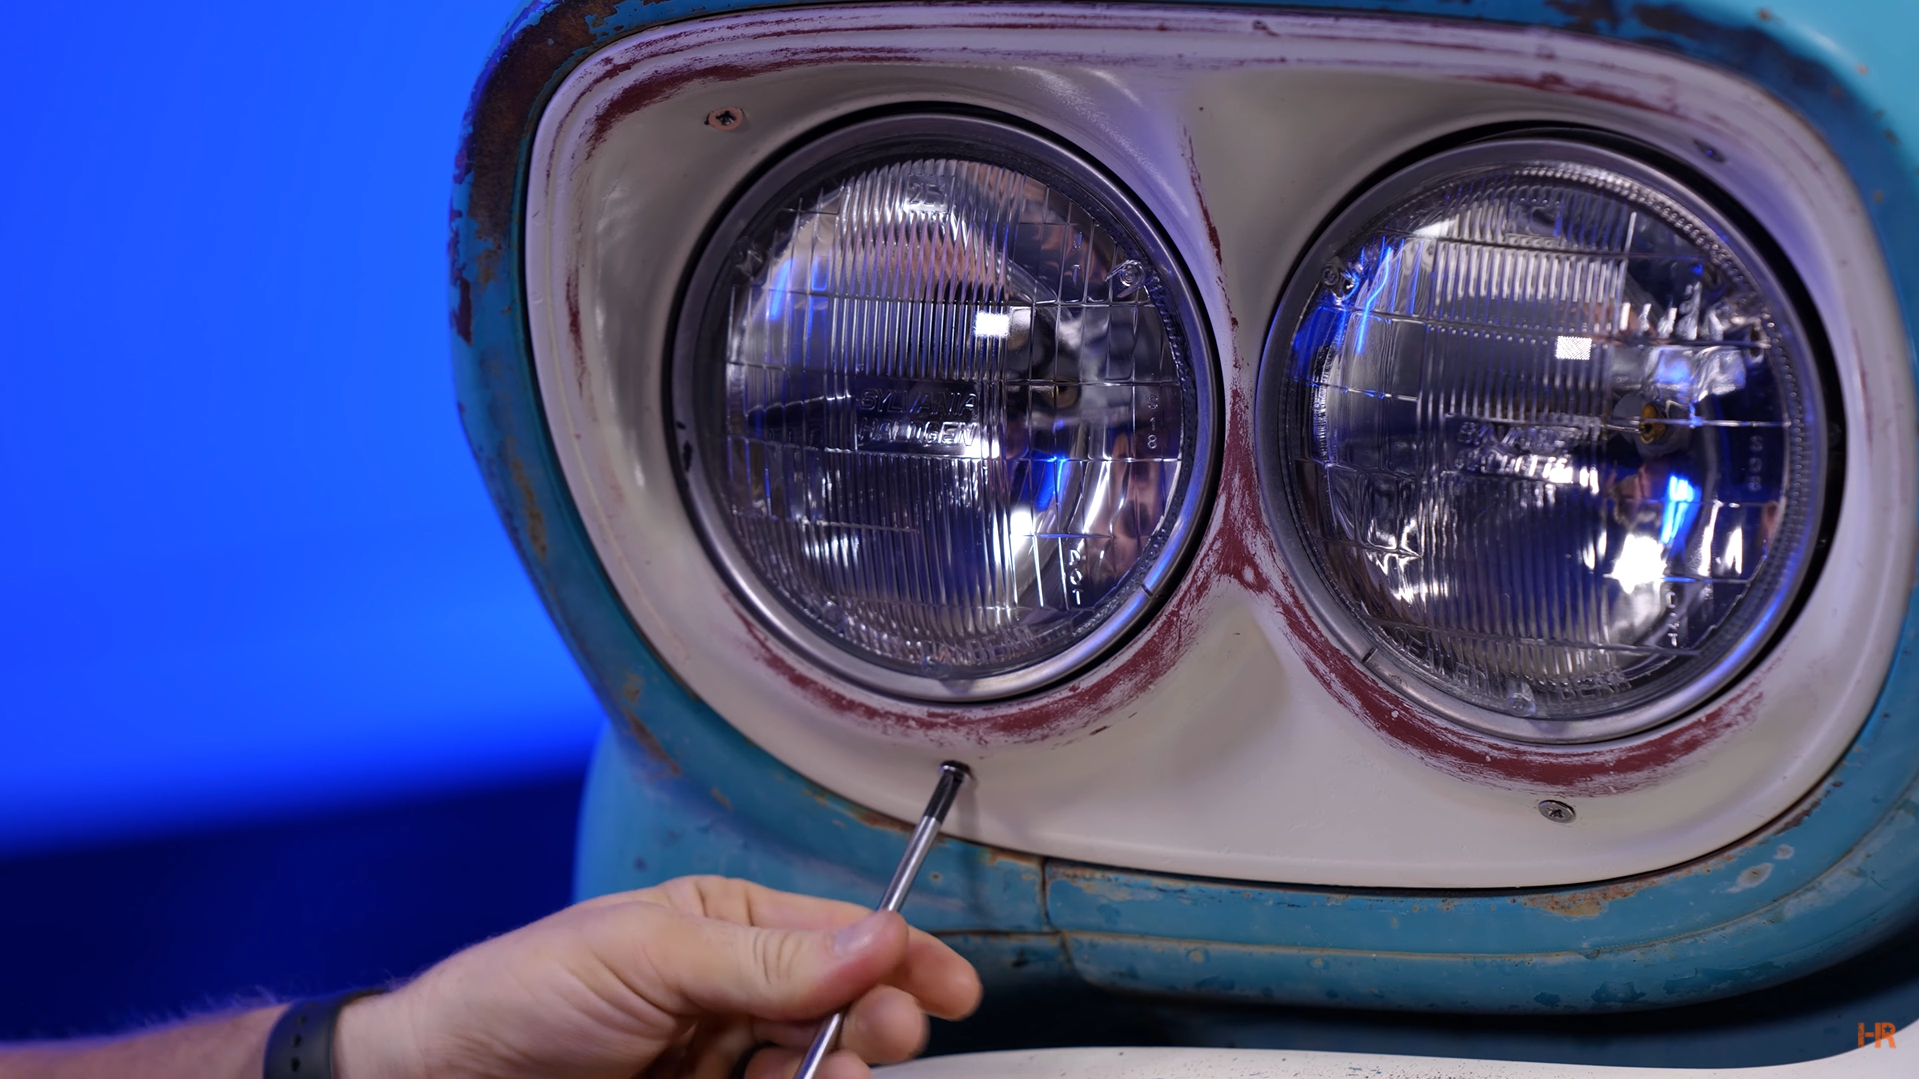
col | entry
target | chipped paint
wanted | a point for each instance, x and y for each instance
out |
(630, 711)
(1751, 878)
(530, 515)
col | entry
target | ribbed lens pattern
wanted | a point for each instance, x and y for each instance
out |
(953, 416)
(1547, 436)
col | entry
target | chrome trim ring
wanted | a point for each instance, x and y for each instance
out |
(1278, 411)
(901, 137)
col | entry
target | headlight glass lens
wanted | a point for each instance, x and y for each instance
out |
(1547, 431)
(945, 406)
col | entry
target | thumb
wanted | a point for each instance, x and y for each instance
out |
(724, 968)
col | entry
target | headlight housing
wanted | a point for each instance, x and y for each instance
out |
(1543, 435)
(944, 401)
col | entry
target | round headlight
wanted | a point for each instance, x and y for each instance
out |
(1543, 435)
(944, 406)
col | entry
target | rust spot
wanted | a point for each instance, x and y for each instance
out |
(629, 710)
(517, 79)
(530, 510)
(725, 802)
(463, 309)
(1745, 48)
(1798, 814)
(462, 313)
(1592, 902)
(1587, 902)
(999, 856)
(876, 820)
(1586, 15)
(1111, 886)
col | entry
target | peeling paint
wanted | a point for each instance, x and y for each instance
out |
(1751, 878)
(630, 711)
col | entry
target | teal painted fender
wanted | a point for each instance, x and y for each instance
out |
(675, 789)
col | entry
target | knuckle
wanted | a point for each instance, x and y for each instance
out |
(774, 955)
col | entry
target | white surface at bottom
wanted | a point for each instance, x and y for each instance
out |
(1866, 1063)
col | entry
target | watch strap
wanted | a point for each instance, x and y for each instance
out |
(301, 1045)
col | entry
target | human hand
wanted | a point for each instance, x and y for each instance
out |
(677, 980)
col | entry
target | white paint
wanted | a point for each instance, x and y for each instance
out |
(1238, 763)
(1148, 1063)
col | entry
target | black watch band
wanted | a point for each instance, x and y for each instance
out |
(301, 1045)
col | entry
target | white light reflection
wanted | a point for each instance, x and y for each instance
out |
(1641, 562)
(993, 324)
(1573, 348)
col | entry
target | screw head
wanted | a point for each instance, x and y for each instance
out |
(726, 119)
(1128, 276)
(1338, 277)
(1556, 811)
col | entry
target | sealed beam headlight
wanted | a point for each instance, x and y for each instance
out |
(1543, 436)
(947, 414)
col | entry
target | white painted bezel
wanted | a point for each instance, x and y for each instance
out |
(1224, 739)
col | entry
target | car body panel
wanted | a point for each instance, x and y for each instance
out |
(1826, 880)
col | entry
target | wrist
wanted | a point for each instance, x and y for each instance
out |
(374, 1040)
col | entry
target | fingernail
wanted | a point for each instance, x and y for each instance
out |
(858, 936)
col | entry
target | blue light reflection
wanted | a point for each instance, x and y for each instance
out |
(1682, 505)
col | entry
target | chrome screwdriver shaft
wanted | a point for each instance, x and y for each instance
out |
(953, 775)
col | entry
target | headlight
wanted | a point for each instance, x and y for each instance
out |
(947, 405)
(1544, 432)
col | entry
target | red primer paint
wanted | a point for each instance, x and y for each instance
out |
(1554, 83)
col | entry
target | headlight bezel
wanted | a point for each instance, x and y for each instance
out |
(868, 141)
(1798, 321)
(1232, 676)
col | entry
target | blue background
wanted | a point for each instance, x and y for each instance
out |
(249, 568)
(278, 707)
